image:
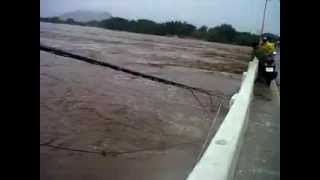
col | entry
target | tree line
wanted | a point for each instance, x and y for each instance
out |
(224, 33)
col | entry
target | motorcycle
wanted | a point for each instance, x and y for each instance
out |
(267, 68)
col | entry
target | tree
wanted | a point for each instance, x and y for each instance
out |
(146, 26)
(188, 29)
(178, 28)
(70, 21)
(115, 23)
(201, 33)
(248, 39)
(92, 23)
(224, 33)
(51, 19)
(203, 29)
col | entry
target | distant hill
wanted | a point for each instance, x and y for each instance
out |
(85, 16)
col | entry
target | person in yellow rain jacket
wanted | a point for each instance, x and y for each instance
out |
(262, 52)
(266, 48)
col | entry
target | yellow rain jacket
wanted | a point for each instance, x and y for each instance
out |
(268, 47)
(264, 50)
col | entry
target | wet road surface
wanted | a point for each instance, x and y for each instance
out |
(260, 153)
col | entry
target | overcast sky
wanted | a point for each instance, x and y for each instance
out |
(244, 15)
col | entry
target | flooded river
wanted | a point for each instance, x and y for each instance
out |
(144, 129)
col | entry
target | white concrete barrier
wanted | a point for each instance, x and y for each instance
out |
(220, 158)
(233, 98)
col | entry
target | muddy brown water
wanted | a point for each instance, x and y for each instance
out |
(82, 106)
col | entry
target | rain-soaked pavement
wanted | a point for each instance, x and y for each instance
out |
(146, 130)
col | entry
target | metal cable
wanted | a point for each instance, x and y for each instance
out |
(114, 153)
(73, 149)
(201, 105)
(128, 71)
(204, 145)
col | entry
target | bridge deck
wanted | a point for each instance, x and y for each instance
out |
(260, 154)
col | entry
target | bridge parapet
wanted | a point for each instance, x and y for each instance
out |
(220, 158)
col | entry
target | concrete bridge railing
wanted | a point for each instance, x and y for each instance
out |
(220, 158)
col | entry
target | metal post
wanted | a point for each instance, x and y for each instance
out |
(263, 19)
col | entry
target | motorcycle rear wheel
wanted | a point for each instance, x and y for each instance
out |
(268, 81)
